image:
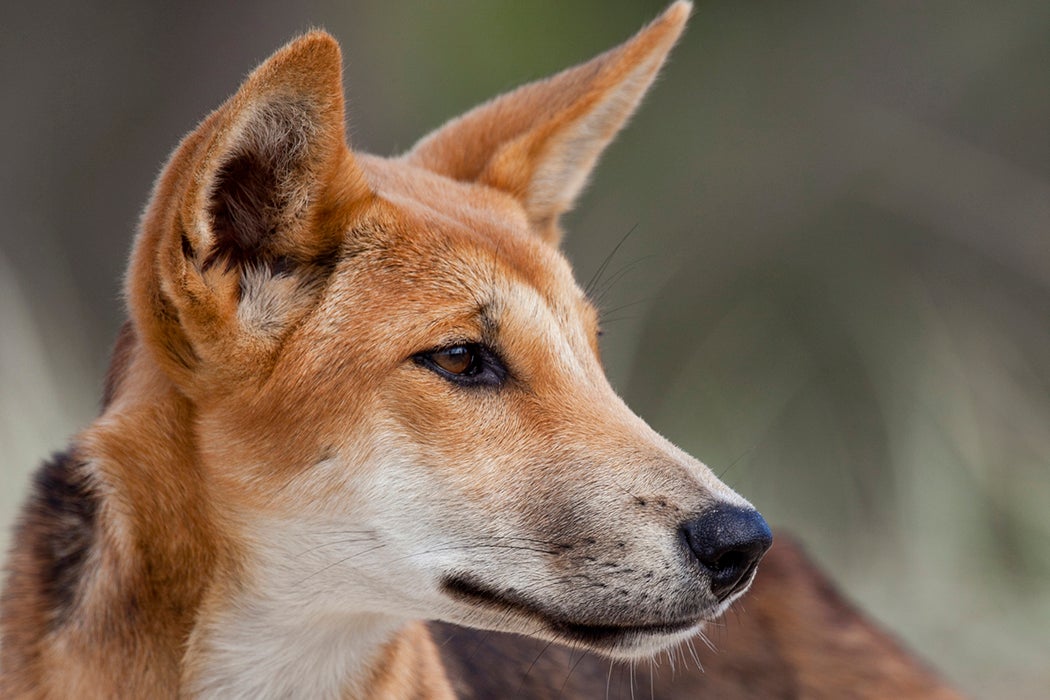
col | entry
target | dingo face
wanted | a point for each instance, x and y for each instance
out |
(400, 403)
(427, 431)
(356, 392)
(474, 464)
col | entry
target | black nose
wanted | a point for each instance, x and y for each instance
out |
(728, 541)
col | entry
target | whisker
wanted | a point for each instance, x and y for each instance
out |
(477, 647)
(464, 547)
(707, 642)
(692, 653)
(736, 461)
(333, 543)
(337, 563)
(521, 684)
(629, 305)
(600, 294)
(605, 263)
(572, 667)
(411, 555)
(344, 532)
(618, 485)
(629, 317)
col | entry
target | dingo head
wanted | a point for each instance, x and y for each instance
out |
(398, 403)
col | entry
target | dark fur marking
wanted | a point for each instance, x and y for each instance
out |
(187, 247)
(469, 589)
(60, 520)
(253, 198)
(245, 210)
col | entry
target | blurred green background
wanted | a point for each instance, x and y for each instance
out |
(837, 290)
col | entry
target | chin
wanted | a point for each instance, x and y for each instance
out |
(640, 645)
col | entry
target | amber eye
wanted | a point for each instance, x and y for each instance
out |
(470, 364)
(459, 360)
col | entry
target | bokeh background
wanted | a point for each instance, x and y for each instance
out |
(836, 291)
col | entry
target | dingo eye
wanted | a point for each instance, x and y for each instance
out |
(468, 364)
(461, 360)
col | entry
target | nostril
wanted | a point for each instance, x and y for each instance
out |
(728, 541)
(729, 562)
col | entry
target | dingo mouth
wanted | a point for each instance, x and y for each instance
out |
(608, 637)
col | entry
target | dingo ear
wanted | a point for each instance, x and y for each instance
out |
(541, 141)
(248, 212)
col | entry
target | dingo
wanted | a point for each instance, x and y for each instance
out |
(356, 394)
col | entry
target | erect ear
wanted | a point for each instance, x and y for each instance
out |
(248, 212)
(541, 141)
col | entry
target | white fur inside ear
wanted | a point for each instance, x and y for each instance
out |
(271, 302)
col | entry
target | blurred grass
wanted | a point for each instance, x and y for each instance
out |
(837, 291)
